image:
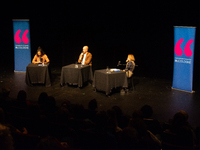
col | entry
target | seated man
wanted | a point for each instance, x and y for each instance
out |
(85, 57)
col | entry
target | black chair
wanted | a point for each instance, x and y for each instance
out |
(131, 83)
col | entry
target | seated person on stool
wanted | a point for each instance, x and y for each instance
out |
(130, 66)
(40, 57)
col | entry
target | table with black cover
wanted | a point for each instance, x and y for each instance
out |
(38, 74)
(104, 81)
(76, 75)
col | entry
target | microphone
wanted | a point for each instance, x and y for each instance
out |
(40, 58)
(81, 56)
(119, 63)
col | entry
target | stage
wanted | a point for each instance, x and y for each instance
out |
(153, 91)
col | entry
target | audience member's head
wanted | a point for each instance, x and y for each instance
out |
(92, 104)
(66, 104)
(112, 118)
(6, 140)
(122, 119)
(179, 120)
(184, 113)
(51, 102)
(48, 104)
(21, 96)
(181, 127)
(42, 99)
(43, 96)
(101, 119)
(147, 111)
(139, 125)
(63, 115)
(78, 111)
(117, 110)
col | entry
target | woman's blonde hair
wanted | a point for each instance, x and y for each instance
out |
(131, 57)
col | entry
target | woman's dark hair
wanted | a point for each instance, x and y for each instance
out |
(179, 120)
(92, 105)
(147, 111)
(21, 96)
(40, 50)
(118, 110)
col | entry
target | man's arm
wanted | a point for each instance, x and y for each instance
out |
(80, 58)
(89, 58)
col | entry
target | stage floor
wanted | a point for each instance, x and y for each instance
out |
(154, 92)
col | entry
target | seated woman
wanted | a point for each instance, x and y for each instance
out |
(130, 66)
(40, 57)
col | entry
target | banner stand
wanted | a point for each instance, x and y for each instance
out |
(22, 46)
(182, 90)
(184, 41)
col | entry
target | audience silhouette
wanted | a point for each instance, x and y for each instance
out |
(44, 126)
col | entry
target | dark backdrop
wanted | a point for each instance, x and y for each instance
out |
(110, 29)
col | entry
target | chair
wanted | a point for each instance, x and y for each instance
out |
(131, 83)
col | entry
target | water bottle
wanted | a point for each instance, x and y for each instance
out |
(76, 65)
(107, 69)
(122, 92)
